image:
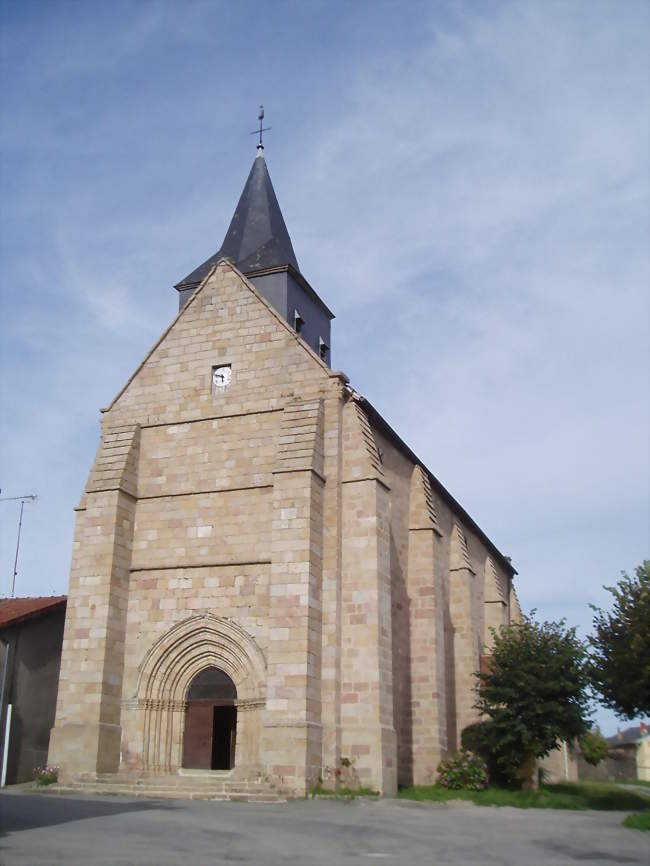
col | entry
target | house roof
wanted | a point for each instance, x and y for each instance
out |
(16, 610)
(257, 238)
(628, 736)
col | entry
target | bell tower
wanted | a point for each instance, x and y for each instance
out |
(258, 244)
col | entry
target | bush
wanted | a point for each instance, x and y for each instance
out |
(46, 775)
(532, 696)
(594, 746)
(482, 739)
(462, 771)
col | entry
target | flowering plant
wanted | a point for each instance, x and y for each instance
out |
(342, 776)
(462, 770)
(46, 775)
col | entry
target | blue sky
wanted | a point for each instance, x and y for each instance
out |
(465, 184)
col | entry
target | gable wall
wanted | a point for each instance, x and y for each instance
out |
(200, 538)
(226, 322)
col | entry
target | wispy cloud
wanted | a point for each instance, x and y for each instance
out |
(466, 185)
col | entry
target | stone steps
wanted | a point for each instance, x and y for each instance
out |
(176, 787)
(180, 783)
(164, 793)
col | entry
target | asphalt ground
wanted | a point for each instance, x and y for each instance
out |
(43, 829)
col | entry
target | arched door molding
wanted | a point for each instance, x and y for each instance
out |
(169, 667)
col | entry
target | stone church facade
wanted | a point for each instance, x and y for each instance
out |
(265, 580)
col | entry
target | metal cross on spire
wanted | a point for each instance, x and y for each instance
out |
(260, 117)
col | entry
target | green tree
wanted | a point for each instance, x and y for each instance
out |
(619, 666)
(594, 746)
(534, 695)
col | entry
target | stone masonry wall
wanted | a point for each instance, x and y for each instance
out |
(192, 510)
(269, 530)
(447, 590)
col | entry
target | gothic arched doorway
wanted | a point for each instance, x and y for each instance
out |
(210, 722)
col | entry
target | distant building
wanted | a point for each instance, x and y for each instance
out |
(31, 636)
(643, 754)
(560, 765)
(628, 757)
(632, 746)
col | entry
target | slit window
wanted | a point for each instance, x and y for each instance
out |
(323, 348)
(298, 321)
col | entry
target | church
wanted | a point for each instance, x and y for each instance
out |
(267, 584)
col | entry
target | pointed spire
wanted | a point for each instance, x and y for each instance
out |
(257, 238)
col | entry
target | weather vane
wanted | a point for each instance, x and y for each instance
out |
(260, 117)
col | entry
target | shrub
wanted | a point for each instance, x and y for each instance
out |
(46, 775)
(462, 771)
(594, 746)
(532, 696)
(482, 739)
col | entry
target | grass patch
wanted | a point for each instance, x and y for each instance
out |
(642, 782)
(345, 793)
(638, 822)
(568, 795)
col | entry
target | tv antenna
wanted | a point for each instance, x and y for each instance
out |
(28, 497)
(260, 117)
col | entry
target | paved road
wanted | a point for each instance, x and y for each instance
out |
(91, 831)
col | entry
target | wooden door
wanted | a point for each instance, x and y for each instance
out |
(197, 742)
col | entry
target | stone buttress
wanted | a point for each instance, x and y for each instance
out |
(464, 628)
(86, 736)
(368, 733)
(291, 741)
(495, 602)
(426, 603)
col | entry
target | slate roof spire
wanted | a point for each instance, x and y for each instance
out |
(257, 238)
